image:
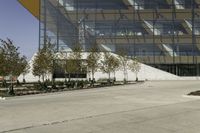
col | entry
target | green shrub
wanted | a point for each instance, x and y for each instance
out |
(60, 83)
(4, 84)
(41, 86)
(80, 84)
(72, 84)
(4, 94)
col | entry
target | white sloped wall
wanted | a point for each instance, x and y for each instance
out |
(146, 73)
(29, 77)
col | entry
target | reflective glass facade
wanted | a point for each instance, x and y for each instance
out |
(161, 33)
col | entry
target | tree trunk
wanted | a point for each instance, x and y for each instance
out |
(69, 77)
(4, 84)
(43, 78)
(23, 77)
(65, 79)
(92, 78)
(136, 76)
(114, 76)
(92, 74)
(11, 82)
(89, 75)
(109, 78)
(124, 75)
(11, 89)
(53, 82)
(39, 78)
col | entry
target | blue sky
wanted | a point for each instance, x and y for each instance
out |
(20, 26)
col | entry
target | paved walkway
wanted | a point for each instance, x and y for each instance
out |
(152, 107)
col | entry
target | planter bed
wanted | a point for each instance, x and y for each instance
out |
(32, 91)
(195, 93)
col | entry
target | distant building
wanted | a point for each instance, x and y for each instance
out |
(162, 33)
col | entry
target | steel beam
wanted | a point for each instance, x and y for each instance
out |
(163, 14)
(168, 59)
(148, 39)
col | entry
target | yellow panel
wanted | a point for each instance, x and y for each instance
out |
(32, 6)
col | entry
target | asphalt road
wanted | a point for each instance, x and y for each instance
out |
(151, 107)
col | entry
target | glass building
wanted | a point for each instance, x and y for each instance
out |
(162, 33)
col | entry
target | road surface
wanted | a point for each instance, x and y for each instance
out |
(151, 107)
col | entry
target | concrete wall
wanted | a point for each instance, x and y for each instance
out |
(146, 73)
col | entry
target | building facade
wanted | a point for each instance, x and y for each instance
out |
(162, 33)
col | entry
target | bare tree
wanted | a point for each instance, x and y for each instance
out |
(93, 61)
(70, 67)
(135, 67)
(74, 61)
(43, 62)
(12, 62)
(123, 63)
(115, 65)
(109, 64)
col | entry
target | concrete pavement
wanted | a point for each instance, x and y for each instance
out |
(152, 107)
